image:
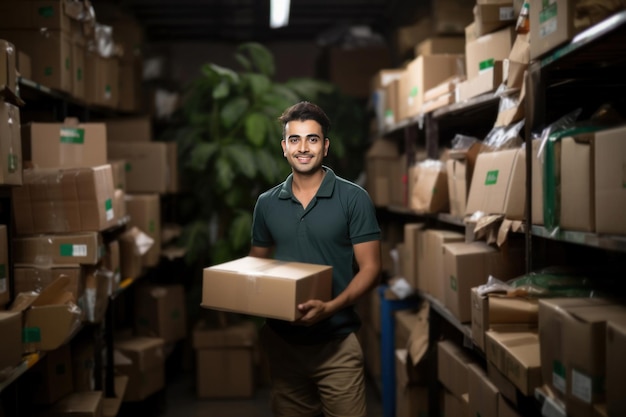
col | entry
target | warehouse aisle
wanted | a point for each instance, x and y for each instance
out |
(180, 401)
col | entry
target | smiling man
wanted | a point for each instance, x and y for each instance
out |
(314, 216)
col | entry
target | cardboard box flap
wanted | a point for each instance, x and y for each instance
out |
(512, 309)
(279, 269)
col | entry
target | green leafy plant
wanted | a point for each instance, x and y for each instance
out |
(228, 138)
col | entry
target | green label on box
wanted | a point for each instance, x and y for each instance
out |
(31, 335)
(74, 135)
(47, 71)
(492, 177)
(67, 249)
(413, 92)
(558, 375)
(79, 74)
(486, 64)
(152, 226)
(108, 209)
(128, 167)
(12, 162)
(46, 11)
(453, 283)
(108, 204)
(548, 11)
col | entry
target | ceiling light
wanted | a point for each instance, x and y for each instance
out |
(279, 13)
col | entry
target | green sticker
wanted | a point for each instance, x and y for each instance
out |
(72, 135)
(79, 74)
(492, 177)
(66, 249)
(46, 11)
(128, 167)
(12, 162)
(486, 64)
(31, 335)
(413, 92)
(108, 204)
(47, 71)
(453, 283)
(549, 11)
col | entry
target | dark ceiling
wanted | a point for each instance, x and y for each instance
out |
(245, 20)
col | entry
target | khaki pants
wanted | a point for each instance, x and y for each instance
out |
(308, 380)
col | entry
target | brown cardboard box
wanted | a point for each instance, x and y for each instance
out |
(516, 355)
(610, 181)
(50, 52)
(264, 287)
(35, 14)
(98, 287)
(551, 25)
(384, 96)
(584, 345)
(491, 17)
(453, 406)
(452, 367)
(58, 249)
(145, 213)
(486, 81)
(83, 404)
(423, 73)
(5, 280)
(24, 65)
(64, 145)
(381, 156)
(64, 200)
(78, 68)
(160, 311)
(141, 359)
(8, 55)
(149, 169)
(486, 49)
(36, 277)
(411, 398)
(430, 262)
(131, 129)
(130, 87)
(10, 145)
(411, 246)
(467, 265)
(131, 259)
(11, 346)
(118, 168)
(50, 318)
(430, 193)
(577, 183)
(498, 184)
(552, 316)
(52, 377)
(483, 394)
(615, 368)
(225, 360)
(83, 364)
(458, 179)
(537, 184)
(449, 17)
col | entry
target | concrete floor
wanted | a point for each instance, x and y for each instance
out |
(182, 402)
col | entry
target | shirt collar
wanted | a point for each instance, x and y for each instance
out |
(326, 187)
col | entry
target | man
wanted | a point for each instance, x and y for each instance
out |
(314, 216)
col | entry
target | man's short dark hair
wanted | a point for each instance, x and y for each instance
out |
(306, 111)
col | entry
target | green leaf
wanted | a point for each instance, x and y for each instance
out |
(240, 230)
(242, 157)
(268, 165)
(221, 73)
(309, 88)
(256, 128)
(261, 57)
(222, 90)
(234, 110)
(201, 156)
(259, 84)
(225, 174)
(282, 97)
(244, 62)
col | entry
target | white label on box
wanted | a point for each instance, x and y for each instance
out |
(3, 285)
(581, 386)
(507, 13)
(79, 250)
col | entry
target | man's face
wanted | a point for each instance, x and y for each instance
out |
(304, 146)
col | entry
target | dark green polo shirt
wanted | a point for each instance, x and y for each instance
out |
(340, 215)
